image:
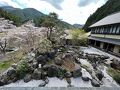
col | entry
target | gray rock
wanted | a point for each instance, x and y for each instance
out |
(52, 71)
(68, 74)
(99, 75)
(115, 64)
(35, 65)
(11, 72)
(42, 84)
(41, 60)
(95, 83)
(58, 61)
(85, 78)
(76, 73)
(27, 78)
(94, 66)
(37, 74)
(68, 81)
(47, 81)
(14, 66)
(1, 83)
(45, 67)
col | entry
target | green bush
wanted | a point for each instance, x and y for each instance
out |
(22, 69)
(116, 77)
(115, 74)
(44, 45)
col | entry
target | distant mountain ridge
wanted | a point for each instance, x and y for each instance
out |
(24, 14)
(110, 7)
(31, 13)
(78, 26)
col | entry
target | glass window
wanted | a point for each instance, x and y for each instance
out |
(114, 30)
(118, 30)
(105, 30)
(111, 29)
(102, 30)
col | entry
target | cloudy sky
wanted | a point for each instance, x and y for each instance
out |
(72, 11)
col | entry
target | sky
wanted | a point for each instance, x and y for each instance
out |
(71, 11)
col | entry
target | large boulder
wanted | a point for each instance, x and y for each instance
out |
(99, 75)
(14, 66)
(51, 54)
(115, 64)
(45, 67)
(42, 84)
(11, 72)
(85, 78)
(95, 83)
(76, 73)
(58, 61)
(94, 66)
(41, 60)
(103, 57)
(46, 80)
(1, 83)
(35, 64)
(52, 71)
(68, 74)
(37, 74)
(3, 80)
(68, 81)
(8, 77)
(27, 78)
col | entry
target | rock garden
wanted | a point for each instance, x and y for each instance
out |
(70, 66)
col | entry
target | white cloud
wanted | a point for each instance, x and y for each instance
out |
(70, 12)
(10, 3)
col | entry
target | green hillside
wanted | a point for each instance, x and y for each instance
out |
(6, 15)
(110, 7)
(31, 13)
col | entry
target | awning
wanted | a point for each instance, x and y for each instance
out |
(106, 40)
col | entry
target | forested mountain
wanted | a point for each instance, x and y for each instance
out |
(31, 13)
(110, 7)
(6, 15)
(78, 26)
(24, 14)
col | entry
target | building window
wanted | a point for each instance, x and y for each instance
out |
(111, 30)
(102, 30)
(114, 29)
(118, 30)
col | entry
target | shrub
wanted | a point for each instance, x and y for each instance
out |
(115, 74)
(22, 69)
(44, 46)
(116, 77)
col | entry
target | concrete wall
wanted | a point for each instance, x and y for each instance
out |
(101, 45)
(70, 88)
(116, 49)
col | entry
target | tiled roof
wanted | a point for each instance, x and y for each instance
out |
(111, 19)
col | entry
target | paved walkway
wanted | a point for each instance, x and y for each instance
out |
(61, 88)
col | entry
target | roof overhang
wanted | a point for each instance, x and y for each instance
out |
(111, 19)
(106, 40)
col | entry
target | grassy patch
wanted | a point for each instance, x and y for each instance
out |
(78, 34)
(115, 74)
(5, 65)
(2, 34)
(77, 37)
(9, 59)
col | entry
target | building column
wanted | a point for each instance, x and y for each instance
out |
(95, 43)
(116, 49)
(101, 45)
